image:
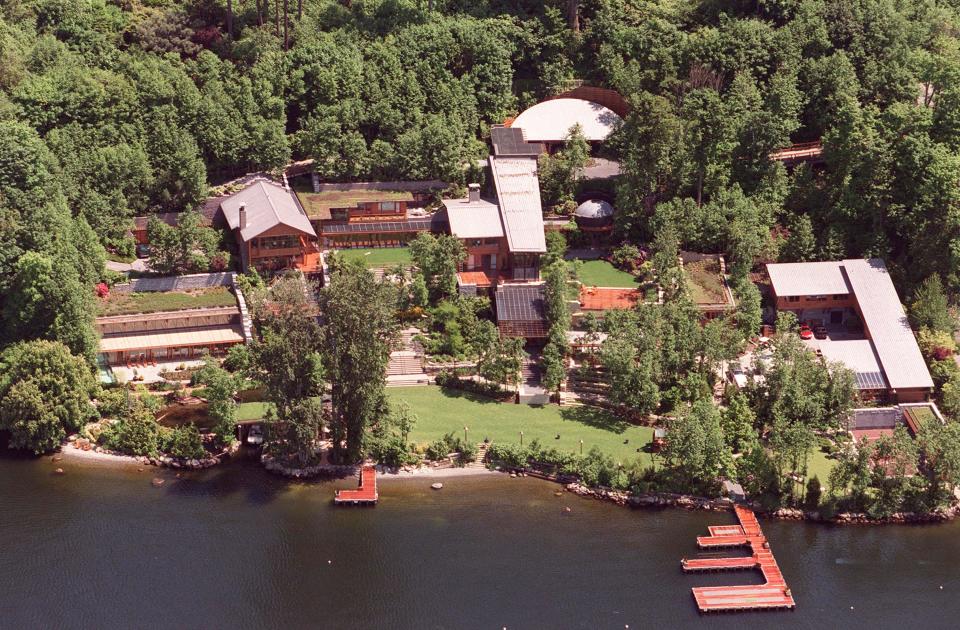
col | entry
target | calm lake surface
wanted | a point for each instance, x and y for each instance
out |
(101, 548)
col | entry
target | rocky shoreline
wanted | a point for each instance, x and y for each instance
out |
(690, 502)
(84, 446)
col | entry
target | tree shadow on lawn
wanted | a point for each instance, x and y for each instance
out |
(594, 417)
(451, 392)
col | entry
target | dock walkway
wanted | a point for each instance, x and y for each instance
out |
(365, 494)
(773, 594)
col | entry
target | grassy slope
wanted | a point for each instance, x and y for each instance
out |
(120, 303)
(444, 411)
(706, 285)
(600, 273)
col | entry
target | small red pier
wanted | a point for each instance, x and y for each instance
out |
(773, 594)
(365, 494)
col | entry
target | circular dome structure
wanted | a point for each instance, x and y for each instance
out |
(550, 121)
(594, 209)
(594, 214)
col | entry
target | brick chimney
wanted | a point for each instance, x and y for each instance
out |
(474, 195)
(243, 217)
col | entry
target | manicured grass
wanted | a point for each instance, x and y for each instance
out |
(706, 284)
(378, 257)
(120, 303)
(600, 273)
(251, 410)
(444, 411)
(820, 466)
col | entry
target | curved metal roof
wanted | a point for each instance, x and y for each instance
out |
(550, 121)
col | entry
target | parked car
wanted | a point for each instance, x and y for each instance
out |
(255, 436)
(820, 332)
(805, 332)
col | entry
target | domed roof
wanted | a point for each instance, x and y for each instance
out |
(550, 121)
(594, 209)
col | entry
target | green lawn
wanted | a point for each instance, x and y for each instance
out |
(444, 411)
(125, 303)
(600, 273)
(251, 410)
(378, 257)
(820, 466)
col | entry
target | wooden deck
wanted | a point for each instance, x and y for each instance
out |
(365, 494)
(773, 594)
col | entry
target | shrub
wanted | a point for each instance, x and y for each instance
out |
(449, 380)
(814, 491)
(184, 442)
(439, 449)
(626, 257)
(510, 455)
(392, 451)
(468, 452)
(135, 434)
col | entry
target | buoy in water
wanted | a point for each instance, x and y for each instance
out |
(567, 510)
(157, 482)
(558, 493)
(437, 486)
(59, 471)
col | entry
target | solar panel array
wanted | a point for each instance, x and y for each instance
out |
(373, 227)
(509, 141)
(520, 303)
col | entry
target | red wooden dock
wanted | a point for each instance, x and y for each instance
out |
(773, 594)
(366, 493)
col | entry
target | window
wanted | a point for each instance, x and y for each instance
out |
(388, 206)
(837, 298)
(793, 298)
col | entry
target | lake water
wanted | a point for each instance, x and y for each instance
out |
(101, 548)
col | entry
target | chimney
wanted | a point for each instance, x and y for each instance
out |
(243, 217)
(474, 195)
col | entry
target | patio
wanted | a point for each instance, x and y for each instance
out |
(150, 373)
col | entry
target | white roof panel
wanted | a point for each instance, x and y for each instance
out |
(518, 191)
(477, 219)
(550, 121)
(810, 278)
(887, 324)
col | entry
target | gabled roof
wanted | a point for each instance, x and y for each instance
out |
(473, 219)
(887, 322)
(267, 206)
(518, 191)
(809, 278)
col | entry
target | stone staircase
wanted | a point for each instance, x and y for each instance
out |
(406, 363)
(480, 459)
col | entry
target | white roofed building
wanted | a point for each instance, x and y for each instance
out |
(549, 122)
(854, 303)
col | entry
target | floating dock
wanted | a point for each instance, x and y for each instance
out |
(365, 494)
(773, 594)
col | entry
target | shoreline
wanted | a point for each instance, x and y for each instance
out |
(68, 454)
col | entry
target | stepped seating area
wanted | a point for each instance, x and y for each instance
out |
(404, 362)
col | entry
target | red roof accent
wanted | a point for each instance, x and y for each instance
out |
(605, 299)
